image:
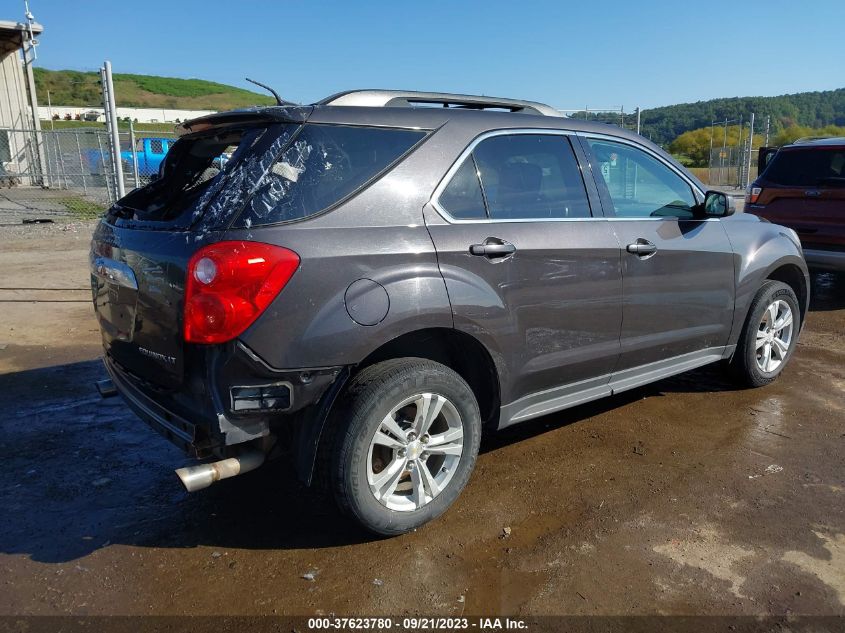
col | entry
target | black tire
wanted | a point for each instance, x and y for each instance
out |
(370, 396)
(744, 365)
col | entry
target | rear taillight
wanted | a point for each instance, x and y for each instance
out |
(231, 283)
(752, 193)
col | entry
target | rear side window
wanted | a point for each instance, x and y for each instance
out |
(322, 166)
(462, 197)
(518, 177)
(807, 168)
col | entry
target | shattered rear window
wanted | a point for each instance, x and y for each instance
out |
(193, 171)
(321, 167)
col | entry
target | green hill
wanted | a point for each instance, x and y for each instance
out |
(808, 109)
(75, 88)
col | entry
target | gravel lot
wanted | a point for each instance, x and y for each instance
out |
(683, 497)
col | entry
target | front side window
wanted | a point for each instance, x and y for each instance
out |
(640, 186)
(518, 177)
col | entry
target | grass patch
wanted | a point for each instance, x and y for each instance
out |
(123, 126)
(702, 173)
(74, 88)
(81, 207)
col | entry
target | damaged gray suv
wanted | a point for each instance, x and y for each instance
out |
(369, 284)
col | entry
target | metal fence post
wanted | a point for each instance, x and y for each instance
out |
(710, 155)
(739, 154)
(134, 152)
(722, 155)
(108, 181)
(108, 170)
(81, 162)
(115, 138)
(750, 149)
(60, 164)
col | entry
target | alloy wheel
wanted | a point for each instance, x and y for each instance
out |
(774, 335)
(414, 452)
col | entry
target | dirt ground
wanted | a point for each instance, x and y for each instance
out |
(684, 497)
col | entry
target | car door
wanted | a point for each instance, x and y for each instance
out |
(677, 270)
(532, 270)
(822, 223)
(808, 195)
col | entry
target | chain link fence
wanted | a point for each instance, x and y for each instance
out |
(729, 166)
(613, 116)
(69, 172)
(44, 173)
(141, 154)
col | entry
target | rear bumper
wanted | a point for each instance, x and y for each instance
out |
(825, 260)
(175, 428)
(233, 404)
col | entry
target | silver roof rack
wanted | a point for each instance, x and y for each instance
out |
(819, 140)
(406, 98)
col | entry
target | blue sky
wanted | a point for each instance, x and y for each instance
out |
(567, 54)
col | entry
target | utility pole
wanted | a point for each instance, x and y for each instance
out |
(638, 119)
(28, 49)
(768, 123)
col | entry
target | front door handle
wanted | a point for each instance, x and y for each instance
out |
(492, 248)
(642, 248)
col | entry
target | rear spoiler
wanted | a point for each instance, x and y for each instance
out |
(273, 114)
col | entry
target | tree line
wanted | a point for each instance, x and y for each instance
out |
(806, 109)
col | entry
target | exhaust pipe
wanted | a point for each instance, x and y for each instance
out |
(202, 476)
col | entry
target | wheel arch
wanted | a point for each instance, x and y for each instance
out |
(459, 351)
(768, 255)
(793, 276)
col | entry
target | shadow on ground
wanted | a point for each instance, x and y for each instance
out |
(80, 473)
(827, 292)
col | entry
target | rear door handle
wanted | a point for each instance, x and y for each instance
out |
(492, 248)
(641, 248)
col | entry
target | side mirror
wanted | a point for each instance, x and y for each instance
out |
(717, 204)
